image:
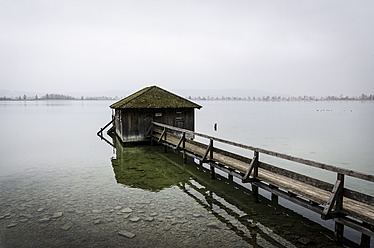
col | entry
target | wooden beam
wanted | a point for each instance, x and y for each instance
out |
(100, 133)
(162, 135)
(252, 166)
(180, 141)
(148, 133)
(207, 151)
(361, 227)
(336, 191)
(285, 195)
(277, 154)
(339, 228)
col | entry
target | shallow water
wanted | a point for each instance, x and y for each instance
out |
(61, 186)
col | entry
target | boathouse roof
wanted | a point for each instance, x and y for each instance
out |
(153, 97)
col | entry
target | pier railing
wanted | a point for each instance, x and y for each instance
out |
(332, 201)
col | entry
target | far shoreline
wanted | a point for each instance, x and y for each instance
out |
(193, 99)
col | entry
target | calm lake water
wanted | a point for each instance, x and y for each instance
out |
(62, 186)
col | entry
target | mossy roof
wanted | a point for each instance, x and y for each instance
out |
(154, 97)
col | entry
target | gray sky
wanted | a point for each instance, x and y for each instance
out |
(317, 47)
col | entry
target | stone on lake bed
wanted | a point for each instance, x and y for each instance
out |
(96, 211)
(167, 227)
(29, 216)
(127, 234)
(213, 225)
(134, 219)
(149, 219)
(40, 209)
(44, 219)
(12, 225)
(153, 214)
(305, 240)
(126, 210)
(117, 207)
(57, 215)
(67, 226)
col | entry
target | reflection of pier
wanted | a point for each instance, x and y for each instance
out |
(251, 230)
(258, 221)
(331, 201)
(250, 219)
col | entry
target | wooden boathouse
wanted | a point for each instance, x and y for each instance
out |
(158, 115)
(134, 114)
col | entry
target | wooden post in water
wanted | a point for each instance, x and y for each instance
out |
(212, 171)
(184, 148)
(339, 228)
(255, 174)
(274, 197)
(365, 239)
(165, 147)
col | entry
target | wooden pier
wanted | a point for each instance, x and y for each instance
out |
(332, 201)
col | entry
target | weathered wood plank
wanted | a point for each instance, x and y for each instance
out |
(310, 189)
(297, 176)
(355, 225)
(180, 142)
(277, 154)
(252, 166)
(338, 187)
(207, 151)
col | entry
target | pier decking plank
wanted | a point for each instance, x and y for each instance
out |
(356, 209)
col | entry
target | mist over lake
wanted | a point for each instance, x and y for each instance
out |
(62, 186)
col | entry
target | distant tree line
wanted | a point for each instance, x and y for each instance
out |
(56, 97)
(284, 98)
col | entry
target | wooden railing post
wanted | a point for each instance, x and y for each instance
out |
(165, 147)
(184, 147)
(255, 173)
(339, 228)
(212, 171)
(253, 166)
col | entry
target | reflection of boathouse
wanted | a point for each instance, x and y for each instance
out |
(134, 114)
(140, 167)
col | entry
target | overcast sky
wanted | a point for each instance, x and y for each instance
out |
(316, 47)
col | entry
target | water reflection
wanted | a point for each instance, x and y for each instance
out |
(260, 223)
(143, 168)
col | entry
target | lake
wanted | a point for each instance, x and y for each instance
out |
(62, 186)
